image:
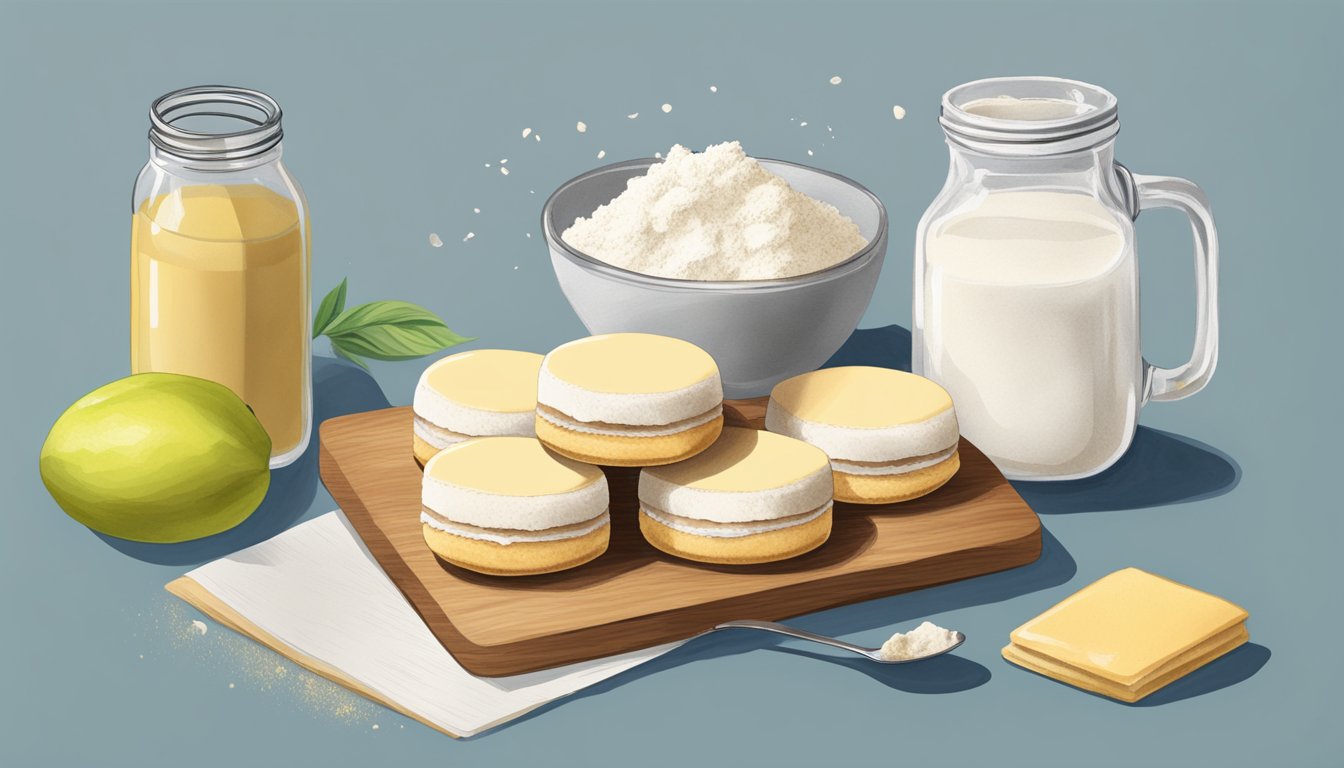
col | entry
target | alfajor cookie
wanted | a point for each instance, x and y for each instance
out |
(891, 435)
(506, 506)
(751, 497)
(629, 400)
(474, 394)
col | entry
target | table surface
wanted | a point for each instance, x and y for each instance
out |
(392, 113)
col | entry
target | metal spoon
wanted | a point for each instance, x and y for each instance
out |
(873, 654)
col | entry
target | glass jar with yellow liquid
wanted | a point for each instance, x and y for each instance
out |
(220, 258)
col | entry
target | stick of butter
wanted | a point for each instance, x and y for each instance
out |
(1128, 634)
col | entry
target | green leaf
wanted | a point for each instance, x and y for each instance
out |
(340, 352)
(391, 330)
(332, 305)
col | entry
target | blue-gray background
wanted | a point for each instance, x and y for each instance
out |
(392, 112)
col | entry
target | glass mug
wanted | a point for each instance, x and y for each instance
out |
(1026, 291)
(220, 261)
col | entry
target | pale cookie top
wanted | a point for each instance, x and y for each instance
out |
(1126, 624)
(509, 466)
(631, 363)
(861, 397)
(498, 380)
(745, 475)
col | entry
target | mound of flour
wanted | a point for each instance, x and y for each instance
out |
(715, 215)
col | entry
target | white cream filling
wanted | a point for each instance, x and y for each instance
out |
(732, 532)
(520, 513)
(632, 431)
(793, 498)
(436, 436)
(891, 469)
(878, 444)
(514, 537)
(440, 411)
(643, 409)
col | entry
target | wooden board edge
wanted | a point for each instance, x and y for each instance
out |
(189, 590)
(513, 658)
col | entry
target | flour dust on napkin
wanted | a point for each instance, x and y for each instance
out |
(315, 594)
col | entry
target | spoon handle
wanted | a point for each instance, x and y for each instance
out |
(770, 626)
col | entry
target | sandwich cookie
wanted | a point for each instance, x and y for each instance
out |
(891, 435)
(474, 394)
(752, 497)
(629, 400)
(506, 506)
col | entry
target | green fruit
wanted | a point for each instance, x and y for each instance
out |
(158, 457)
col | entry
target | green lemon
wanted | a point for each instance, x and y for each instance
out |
(158, 457)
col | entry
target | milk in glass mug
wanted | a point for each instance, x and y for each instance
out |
(1026, 290)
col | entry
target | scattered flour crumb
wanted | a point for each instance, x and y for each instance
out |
(713, 89)
(504, 170)
(435, 240)
(375, 726)
(581, 127)
(527, 132)
(809, 153)
(632, 115)
(537, 136)
(475, 210)
(836, 80)
(715, 215)
(230, 685)
(658, 155)
(667, 108)
(803, 124)
(504, 161)
(898, 112)
(601, 153)
(529, 235)
(142, 655)
(199, 626)
(923, 640)
(469, 236)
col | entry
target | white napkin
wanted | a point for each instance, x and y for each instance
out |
(316, 589)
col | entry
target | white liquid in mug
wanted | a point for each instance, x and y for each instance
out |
(1030, 322)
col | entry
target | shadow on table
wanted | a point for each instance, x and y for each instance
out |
(1160, 468)
(339, 388)
(885, 347)
(946, 674)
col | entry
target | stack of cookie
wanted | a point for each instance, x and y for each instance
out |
(511, 443)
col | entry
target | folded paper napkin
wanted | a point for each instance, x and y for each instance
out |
(316, 595)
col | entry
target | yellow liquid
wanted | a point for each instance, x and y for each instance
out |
(219, 290)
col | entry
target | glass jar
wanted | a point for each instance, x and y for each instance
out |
(1026, 290)
(220, 258)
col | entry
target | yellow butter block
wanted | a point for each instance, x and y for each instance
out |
(1128, 634)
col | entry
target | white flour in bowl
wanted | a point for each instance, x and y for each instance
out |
(715, 215)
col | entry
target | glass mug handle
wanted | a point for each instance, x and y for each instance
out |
(1142, 193)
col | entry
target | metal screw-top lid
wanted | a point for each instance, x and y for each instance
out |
(1029, 116)
(228, 123)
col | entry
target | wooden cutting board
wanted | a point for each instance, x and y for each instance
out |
(635, 596)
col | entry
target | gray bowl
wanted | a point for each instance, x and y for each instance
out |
(760, 332)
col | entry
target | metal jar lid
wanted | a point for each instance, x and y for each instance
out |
(1095, 121)
(258, 113)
